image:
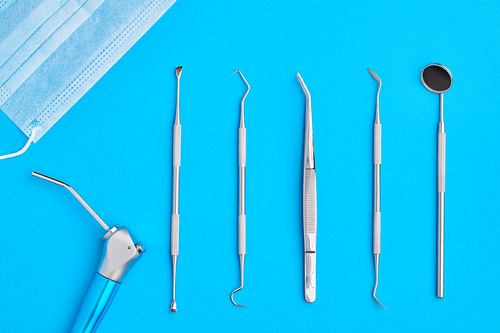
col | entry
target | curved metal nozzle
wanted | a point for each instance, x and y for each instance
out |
(242, 121)
(242, 268)
(375, 76)
(376, 281)
(76, 195)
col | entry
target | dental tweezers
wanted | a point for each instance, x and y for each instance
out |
(309, 207)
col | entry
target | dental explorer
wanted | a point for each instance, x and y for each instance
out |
(377, 161)
(176, 161)
(309, 204)
(242, 161)
(121, 252)
(438, 79)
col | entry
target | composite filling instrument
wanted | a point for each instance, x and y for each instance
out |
(438, 79)
(377, 161)
(242, 161)
(309, 205)
(176, 162)
(121, 252)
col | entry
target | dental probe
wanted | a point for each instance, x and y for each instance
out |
(377, 161)
(176, 161)
(242, 161)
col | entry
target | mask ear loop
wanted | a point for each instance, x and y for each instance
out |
(26, 146)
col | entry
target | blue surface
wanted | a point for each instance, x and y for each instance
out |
(114, 148)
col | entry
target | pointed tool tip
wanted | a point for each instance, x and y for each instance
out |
(304, 87)
(378, 301)
(375, 76)
(236, 71)
(178, 71)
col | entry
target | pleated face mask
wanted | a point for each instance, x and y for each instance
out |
(53, 51)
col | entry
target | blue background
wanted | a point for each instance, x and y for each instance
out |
(114, 148)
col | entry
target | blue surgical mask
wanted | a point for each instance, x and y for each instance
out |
(53, 51)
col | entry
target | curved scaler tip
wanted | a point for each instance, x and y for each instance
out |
(376, 284)
(232, 300)
(242, 121)
(378, 301)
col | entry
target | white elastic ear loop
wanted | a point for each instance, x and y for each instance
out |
(26, 146)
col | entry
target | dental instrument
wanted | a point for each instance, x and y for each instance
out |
(176, 161)
(377, 161)
(438, 79)
(242, 161)
(121, 252)
(309, 204)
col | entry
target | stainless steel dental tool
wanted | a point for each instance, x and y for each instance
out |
(176, 161)
(438, 79)
(309, 207)
(377, 161)
(121, 252)
(242, 161)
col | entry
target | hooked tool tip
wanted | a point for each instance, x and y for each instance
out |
(238, 71)
(242, 120)
(232, 300)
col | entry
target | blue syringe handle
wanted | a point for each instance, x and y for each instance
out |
(97, 301)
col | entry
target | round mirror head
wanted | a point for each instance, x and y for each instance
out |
(437, 78)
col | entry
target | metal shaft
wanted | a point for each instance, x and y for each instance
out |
(441, 189)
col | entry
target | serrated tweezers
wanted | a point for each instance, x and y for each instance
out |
(309, 207)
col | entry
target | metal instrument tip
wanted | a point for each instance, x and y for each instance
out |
(178, 71)
(238, 71)
(173, 306)
(304, 87)
(232, 300)
(242, 118)
(376, 257)
(378, 300)
(374, 76)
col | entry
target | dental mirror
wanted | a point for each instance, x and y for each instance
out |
(438, 79)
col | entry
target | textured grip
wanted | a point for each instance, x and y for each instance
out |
(441, 161)
(177, 146)
(376, 233)
(174, 235)
(242, 234)
(377, 144)
(310, 201)
(242, 145)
